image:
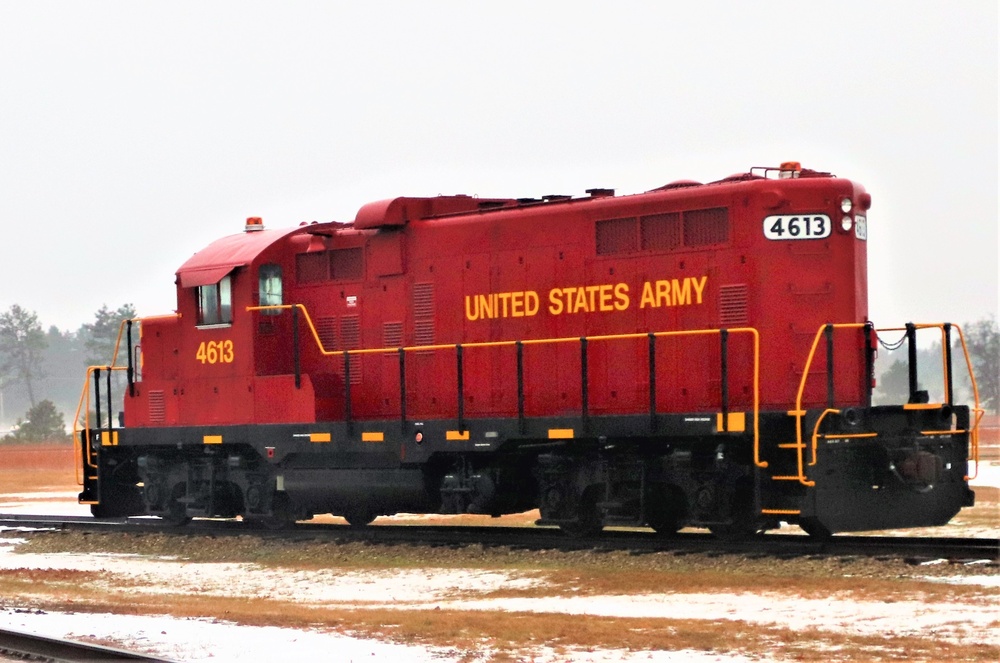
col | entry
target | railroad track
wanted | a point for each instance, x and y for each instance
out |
(911, 549)
(32, 647)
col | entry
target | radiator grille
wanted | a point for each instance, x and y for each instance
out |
(157, 407)
(392, 335)
(326, 328)
(733, 305)
(350, 336)
(706, 226)
(423, 314)
(346, 264)
(310, 267)
(423, 300)
(660, 232)
(616, 236)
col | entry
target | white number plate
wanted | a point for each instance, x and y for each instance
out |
(797, 226)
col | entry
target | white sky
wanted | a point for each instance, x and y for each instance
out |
(133, 134)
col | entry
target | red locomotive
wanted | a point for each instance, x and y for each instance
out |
(699, 354)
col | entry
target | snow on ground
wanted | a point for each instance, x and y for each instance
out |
(202, 639)
(988, 474)
(450, 589)
(62, 503)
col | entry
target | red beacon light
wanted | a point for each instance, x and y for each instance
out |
(254, 223)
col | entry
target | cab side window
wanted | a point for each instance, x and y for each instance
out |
(215, 303)
(270, 288)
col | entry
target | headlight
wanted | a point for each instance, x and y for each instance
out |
(846, 206)
(845, 223)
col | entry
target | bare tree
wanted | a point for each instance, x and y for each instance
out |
(983, 340)
(22, 343)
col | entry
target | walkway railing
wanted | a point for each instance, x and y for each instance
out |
(83, 459)
(826, 331)
(518, 346)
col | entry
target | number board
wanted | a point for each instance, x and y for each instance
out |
(215, 352)
(797, 226)
(861, 227)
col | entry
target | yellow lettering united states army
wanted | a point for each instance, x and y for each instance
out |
(602, 298)
(517, 304)
(673, 292)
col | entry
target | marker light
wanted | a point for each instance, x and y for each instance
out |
(846, 205)
(845, 223)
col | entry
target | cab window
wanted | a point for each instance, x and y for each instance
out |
(215, 303)
(270, 288)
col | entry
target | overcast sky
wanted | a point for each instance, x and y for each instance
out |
(134, 133)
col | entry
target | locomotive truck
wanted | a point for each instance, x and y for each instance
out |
(695, 355)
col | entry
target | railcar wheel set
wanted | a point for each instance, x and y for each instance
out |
(696, 355)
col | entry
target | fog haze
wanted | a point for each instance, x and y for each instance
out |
(133, 134)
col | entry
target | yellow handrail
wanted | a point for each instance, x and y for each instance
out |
(84, 405)
(799, 413)
(84, 402)
(540, 341)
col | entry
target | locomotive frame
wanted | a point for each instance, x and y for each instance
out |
(602, 424)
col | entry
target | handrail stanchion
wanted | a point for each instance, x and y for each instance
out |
(869, 365)
(521, 423)
(295, 348)
(111, 415)
(97, 397)
(949, 396)
(584, 387)
(829, 366)
(911, 347)
(724, 354)
(347, 392)
(460, 379)
(402, 390)
(130, 371)
(652, 382)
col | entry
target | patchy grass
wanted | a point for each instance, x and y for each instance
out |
(37, 467)
(576, 573)
(511, 635)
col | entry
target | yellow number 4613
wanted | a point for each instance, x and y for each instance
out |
(215, 352)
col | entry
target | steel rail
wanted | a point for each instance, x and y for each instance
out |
(634, 540)
(34, 647)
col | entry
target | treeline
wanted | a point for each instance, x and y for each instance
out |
(42, 372)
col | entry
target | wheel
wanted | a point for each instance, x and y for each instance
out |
(176, 515)
(743, 524)
(666, 509)
(281, 516)
(733, 531)
(588, 520)
(359, 517)
(816, 530)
